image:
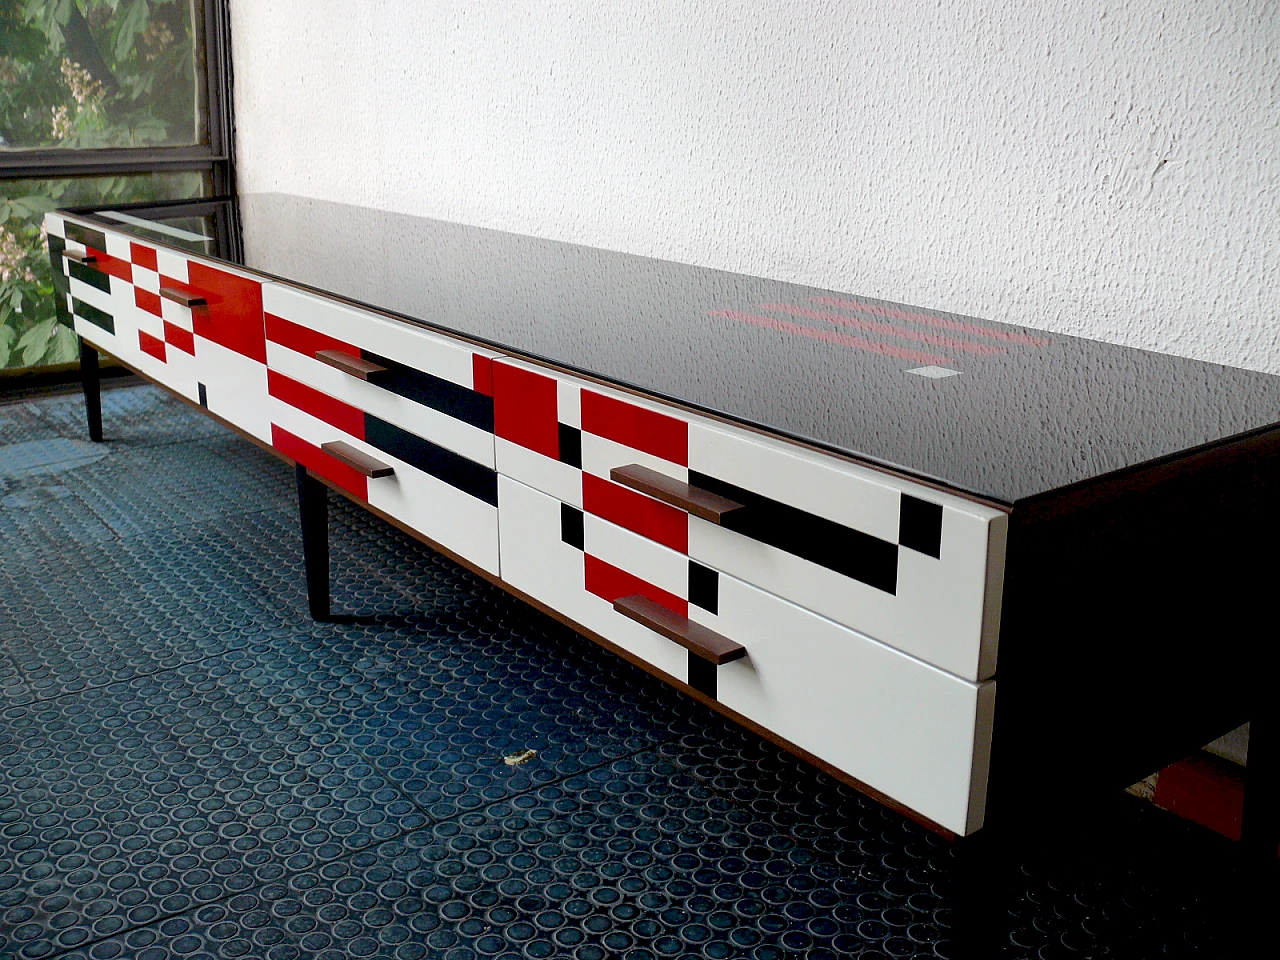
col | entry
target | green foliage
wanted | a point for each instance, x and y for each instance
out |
(82, 74)
(97, 73)
(29, 332)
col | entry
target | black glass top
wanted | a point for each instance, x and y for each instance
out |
(1000, 411)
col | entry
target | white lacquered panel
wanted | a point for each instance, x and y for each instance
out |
(944, 609)
(538, 562)
(903, 727)
(172, 368)
(235, 387)
(406, 343)
(464, 524)
(557, 428)
(211, 353)
(452, 434)
(909, 730)
(560, 480)
(864, 558)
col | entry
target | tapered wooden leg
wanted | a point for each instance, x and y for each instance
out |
(92, 385)
(313, 511)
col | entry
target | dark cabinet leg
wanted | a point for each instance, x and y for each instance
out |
(1260, 829)
(92, 389)
(313, 511)
(980, 885)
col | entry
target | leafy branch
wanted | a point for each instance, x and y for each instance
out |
(82, 74)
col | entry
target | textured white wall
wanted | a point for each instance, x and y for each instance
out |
(1104, 169)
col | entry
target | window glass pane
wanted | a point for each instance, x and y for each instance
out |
(29, 333)
(100, 73)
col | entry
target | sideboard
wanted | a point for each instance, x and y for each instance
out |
(943, 558)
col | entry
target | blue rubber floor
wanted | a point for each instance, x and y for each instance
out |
(191, 767)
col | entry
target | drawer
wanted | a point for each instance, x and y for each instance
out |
(543, 554)
(126, 302)
(915, 568)
(916, 733)
(427, 414)
(432, 385)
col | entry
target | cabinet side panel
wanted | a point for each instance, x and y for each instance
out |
(1129, 624)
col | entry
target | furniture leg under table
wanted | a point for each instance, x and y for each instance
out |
(939, 557)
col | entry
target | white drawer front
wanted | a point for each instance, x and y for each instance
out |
(539, 560)
(424, 407)
(463, 521)
(908, 729)
(915, 733)
(915, 568)
(440, 359)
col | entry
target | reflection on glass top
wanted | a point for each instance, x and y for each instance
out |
(164, 228)
(1001, 411)
(194, 233)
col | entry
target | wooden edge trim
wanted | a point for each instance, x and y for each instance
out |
(357, 460)
(182, 299)
(700, 641)
(747, 723)
(352, 365)
(699, 503)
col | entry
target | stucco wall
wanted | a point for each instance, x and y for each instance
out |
(1105, 169)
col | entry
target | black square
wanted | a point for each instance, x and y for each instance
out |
(571, 525)
(570, 445)
(920, 526)
(702, 675)
(204, 396)
(704, 587)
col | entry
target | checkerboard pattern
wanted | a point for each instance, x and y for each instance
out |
(125, 297)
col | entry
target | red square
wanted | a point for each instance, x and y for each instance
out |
(175, 336)
(636, 427)
(524, 409)
(609, 583)
(143, 256)
(152, 346)
(650, 518)
(148, 301)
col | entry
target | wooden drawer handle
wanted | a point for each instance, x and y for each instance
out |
(700, 641)
(343, 452)
(345, 362)
(700, 503)
(182, 299)
(87, 259)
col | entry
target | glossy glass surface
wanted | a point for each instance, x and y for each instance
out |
(1025, 413)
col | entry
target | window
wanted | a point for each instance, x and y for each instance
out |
(101, 102)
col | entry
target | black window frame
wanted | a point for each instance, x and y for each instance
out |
(215, 159)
